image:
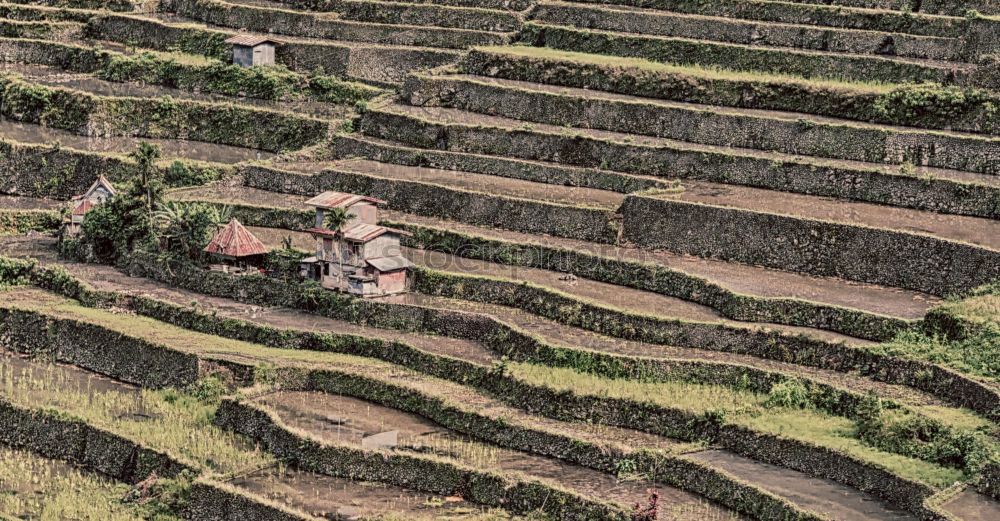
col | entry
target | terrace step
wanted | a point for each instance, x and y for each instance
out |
(38, 13)
(767, 130)
(693, 84)
(811, 496)
(372, 63)
(424, 14)
(452, 130)
(354, 146)
(758, 34)
(299, 409)
(804, 14)
(827, 498)
(332, 5)
(949, 7)
(56, 77)
(805, 63)
(306, 25)
(738, 278)
(952, 238)
(170, 148)
(468, 181)
(43, 30)
(616, 296)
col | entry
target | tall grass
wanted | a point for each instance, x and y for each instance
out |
(36, 488)
(170, 421)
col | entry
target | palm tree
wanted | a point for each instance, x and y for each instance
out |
(190, 225)
(148, 180)
(336, 219)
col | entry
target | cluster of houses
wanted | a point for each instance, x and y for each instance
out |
(362, 258)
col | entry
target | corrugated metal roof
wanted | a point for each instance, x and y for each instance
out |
(251, 40)
(389, 263)
(233, 240)
(340, 200)
(364, 232)
(359, 232)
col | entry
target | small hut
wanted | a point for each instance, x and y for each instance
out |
(98, 193)
(236, 250)
(250, 50)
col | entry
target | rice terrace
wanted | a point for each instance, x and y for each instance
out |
(500, 260)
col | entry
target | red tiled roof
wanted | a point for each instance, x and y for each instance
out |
(251, 40)
(234, 240)
(340, 200)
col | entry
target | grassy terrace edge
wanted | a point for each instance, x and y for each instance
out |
(710, 482)
(581, 404)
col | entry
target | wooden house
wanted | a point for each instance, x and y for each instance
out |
(365, 258)
(99, 193)
(236, 250)
(250, 50)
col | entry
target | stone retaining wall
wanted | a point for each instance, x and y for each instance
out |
(55, 436)
(884, 257)
(166, 118)
(590, 224)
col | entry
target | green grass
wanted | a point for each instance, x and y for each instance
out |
(839, 433)
(36, 488)
(742, 408)
(735, 405)
(171, 421)
(712, 73)
(172, 336)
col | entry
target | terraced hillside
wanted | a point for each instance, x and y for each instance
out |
(674, 260)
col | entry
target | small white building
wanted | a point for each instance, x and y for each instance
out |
(250, 50)
(99, 193)
(372, 260)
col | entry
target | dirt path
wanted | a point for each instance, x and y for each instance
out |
(170, 148)
(831, 499)
(621, 297)
(107, 278)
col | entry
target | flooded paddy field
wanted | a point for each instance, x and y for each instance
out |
(352, 421)
(973, 506)
(326, 496)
